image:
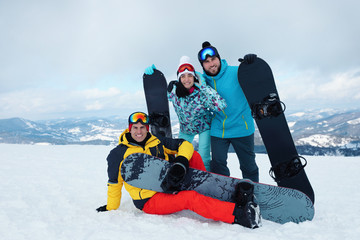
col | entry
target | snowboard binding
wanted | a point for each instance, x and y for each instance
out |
(271, 106)
(174, 178)
(159, 119)
(287, 169)
(247, 211)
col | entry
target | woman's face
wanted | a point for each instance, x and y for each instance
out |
(187, 79)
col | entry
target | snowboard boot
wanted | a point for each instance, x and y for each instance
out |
(246, 211)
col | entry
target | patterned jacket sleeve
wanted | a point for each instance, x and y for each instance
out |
(212, 99)
(171, 94)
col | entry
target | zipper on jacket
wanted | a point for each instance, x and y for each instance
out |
(140, 193)
(246, 125)
(157, 151)
(223, 133)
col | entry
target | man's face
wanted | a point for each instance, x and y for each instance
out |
(212, 65)
(138, 132)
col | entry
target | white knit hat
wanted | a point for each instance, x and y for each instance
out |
(185, 67)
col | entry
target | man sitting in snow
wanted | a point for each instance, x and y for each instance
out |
(138, 139)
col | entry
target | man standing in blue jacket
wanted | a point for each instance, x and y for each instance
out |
(234, 125)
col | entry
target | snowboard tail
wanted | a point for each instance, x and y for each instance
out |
(277, 204)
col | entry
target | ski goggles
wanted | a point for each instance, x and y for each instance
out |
(139, 117)
(207, 52)
(186, 66)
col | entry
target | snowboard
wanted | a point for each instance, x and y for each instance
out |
(155, 88)
(277, 204)
(257, 82)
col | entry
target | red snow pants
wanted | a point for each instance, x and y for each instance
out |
(196, 162)
(164, 203)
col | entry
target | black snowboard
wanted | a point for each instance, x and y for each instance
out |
(258, 85)
(155, 88)
(277, 204)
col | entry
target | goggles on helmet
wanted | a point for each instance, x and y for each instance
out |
(139, 117)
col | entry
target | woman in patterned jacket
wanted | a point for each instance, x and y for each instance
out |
(194, 104)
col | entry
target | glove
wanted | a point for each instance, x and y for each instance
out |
(150, 70)
(181, 91)
(201, 78)
(181, 159)
(171, 85)
(102, 209)
(176, 175)
(248, 58)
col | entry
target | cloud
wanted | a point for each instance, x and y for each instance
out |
(93, 53)
(58, 103)
(344, 85)
(313, 89)
(97, 93)
(94, 106)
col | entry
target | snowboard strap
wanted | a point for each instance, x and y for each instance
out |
(174, 178)
(271, 106)
(287, 169)
(159, 119)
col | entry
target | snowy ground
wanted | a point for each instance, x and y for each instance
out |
(51, 192)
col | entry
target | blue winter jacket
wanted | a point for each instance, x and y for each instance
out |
(236, 120)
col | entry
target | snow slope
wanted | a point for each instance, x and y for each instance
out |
(51, 192)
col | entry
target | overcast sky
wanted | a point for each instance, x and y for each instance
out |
(86, 58)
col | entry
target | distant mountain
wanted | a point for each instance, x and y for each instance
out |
(64, 131)
(314, 132)
(324, 133)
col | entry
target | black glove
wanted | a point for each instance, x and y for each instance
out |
(181, 91)
(248, 58)
(171, 85)
(180, 159)
(176, 175)
(101, 209)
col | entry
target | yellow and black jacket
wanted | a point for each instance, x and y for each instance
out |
(154, 147)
